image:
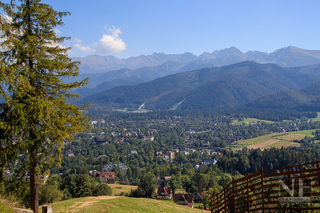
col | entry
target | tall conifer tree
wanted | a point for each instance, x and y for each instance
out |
(36, 116)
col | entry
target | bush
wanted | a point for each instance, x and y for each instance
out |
(66, 194)
(102, 189)
(78, 185)
(136, 193)
(49, 194)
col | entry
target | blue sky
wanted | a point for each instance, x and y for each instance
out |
(126, 28)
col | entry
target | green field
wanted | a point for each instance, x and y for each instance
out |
(317, 118)
(118, 188)
(135, 111)
(249, 121)
(305, 132)
(277, 140)
(118, 204)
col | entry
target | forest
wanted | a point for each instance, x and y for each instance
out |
(194, 137)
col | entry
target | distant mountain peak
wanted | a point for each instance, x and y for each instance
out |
(226, 52)
(287, 57)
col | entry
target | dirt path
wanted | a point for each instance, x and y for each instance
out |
(263, 144)
(88, 202)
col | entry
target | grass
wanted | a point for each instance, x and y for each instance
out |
(7, 204)
(250, 120)
(317, 118)
(253, 141)
(305, 132)
(118, 188)
(6, 208)
(284, 144)
(277, 140)
(118, 205)
(134, 111)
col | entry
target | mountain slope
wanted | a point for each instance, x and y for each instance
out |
(220, 87)
(104, 70)
(305, 99)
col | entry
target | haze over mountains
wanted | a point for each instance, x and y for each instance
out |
(286, 57)
(209, 88)
(107, 72)
(222, 79)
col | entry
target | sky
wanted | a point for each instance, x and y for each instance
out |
(126, 28)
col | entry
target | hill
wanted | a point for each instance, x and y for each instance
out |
(209, 88)
(118, 205)
(305, 99)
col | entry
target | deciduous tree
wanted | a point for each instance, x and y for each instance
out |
(148, 184)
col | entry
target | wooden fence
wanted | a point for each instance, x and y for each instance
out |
(293, 189)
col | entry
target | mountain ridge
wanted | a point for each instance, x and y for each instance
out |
(107, 78)
(209, 88)
(283, 57)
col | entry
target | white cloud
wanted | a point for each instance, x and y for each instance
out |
(77, 40)
(111, 43)
(83, 48)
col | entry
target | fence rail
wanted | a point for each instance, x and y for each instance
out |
(292, 188)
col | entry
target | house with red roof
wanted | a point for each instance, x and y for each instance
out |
(164, 193)
(184, 199)
(107, 177)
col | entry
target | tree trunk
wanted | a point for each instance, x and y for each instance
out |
(34, 199)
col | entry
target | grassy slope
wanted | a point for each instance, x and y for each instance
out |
(118, 188)
(118, 205)
(251, 120)
(285, 139)
(317, 118)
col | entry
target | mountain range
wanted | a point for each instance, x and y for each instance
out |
(286, 57)
(107, 72)
(243, 84)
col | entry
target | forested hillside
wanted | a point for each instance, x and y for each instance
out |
(209, 88)
(305, 99)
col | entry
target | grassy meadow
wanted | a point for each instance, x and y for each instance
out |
(277, 140)
(317, 118)
(118, 204)
(249, 121)
(134, 111)
(118, 188)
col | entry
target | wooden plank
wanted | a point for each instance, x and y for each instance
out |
(259, 190)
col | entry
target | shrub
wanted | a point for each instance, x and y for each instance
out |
(102, 189)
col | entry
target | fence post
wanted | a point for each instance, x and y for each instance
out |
(233, 195)
(318, 167)
(248, 201)
(211, 204)
(217, 204)
(225, 198)
(289, 175)
(262, 190)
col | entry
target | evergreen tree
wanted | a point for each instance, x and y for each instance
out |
(36, 116)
